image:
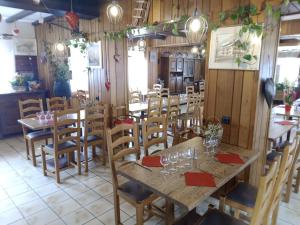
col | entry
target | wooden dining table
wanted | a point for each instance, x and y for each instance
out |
(277, 131)
(280, 110)
(36, 124)
(173, 188)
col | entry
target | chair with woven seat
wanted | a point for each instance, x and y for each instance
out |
(57, 104)
(28, 109)
(243, 196)
(154, 107)
(95, 125)
(151, 127)
(189, 90)
(260, 211)
(118, 149)
(173, 112)
(66, 141)
(135, 97)
(157, 87)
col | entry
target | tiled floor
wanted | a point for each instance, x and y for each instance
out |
(28, 197)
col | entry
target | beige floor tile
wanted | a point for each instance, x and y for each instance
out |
(57, 222)
(42, 217)
(289, 215)
(109, 217)
(104, 189)
(30, 208)
(3, 194)
(6, 204)
(65, 207)
(56, 197)
(130, 221)
(19, 222)
(47, 189)
(10, 216)
(87, 197)
(25, 197)
(76, 189)
(78, 217)
(94, 222)
(128, 209)
(93, 182)
(281, 222)
(18, 189)
(99, 207)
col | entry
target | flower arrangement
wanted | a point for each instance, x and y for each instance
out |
(213, 129)
(289, 96)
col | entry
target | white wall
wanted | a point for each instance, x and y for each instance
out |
(7, 59)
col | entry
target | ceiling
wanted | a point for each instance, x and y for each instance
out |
(7, 12)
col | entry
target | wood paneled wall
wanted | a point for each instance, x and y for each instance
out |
(116, 71)
(290, 27)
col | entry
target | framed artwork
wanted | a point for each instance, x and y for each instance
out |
(25, 47)
(94, 54)
(223, 53)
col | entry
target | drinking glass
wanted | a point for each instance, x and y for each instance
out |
(181, 156)
(188, 156)
(173, 159)
(164, 160)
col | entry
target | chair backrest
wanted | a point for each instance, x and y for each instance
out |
(154, 106)
(173, 110)
(119, 111)
(196, 119)
(66, 127)
(95, 121)
(135, 97)
(264, 195)
(28, 108)
(201, 86)
(157, 87)
(193, 100)
(152, 126)
(189, 90)
(164, 93)
(183, 136)
(283, 173)
(57, 104)
(122, 146)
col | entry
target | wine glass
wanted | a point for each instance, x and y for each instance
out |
(188, 156)
(181, 156)
(164, 160)
(173, 159)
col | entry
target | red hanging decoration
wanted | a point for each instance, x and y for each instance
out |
(107, 84)
(72, 19)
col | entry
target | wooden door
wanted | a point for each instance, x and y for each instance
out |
(172, 84)
(179, 65)
(179, 84)
(172, 65)
(197, 73)
(185, 67)
(190, 68)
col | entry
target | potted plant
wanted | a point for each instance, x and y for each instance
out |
(289, 97)
(62, 76)
(19, 83)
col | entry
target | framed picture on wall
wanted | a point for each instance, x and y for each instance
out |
(25, 47)
(224, 53)
(94, 54)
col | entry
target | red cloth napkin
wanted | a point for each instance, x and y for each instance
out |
(124, 121)
(229, 158)
(285, 122)
(151, 161)
(199, 179)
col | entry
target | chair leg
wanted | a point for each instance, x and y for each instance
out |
(33, 153)
(44, 162)
(139, 214)
(117, 209)
(222, 203)
(275, 214)
(297, 181)
(27, 149)
(46, 141)
(86, 163)
(287, 195)
(79, 162)
(56, 165)
(94, 151)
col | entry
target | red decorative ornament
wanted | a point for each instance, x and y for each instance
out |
(72, 19)
(107, 85)
(16, 31)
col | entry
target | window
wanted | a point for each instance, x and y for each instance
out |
(137, 71)
(7, 64)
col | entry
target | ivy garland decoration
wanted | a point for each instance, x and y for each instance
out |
(243, 14)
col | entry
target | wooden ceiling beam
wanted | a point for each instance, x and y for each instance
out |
(18, 16)
(88, 9)
(45, 20)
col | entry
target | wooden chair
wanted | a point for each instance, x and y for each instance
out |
(192, 103)
(95, 125)
(66, 141)
(157, 87)
(243, 196)
(57, 104)
(173, 112)
(28, 109)
(182, 136)
(152, 126)
(154, 107)
(164, 93)
(189, 90)
(121, 113)
(152, 93)
(134, 193)
(260, 211)
(135, 97)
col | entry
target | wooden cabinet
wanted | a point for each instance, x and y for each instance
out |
(172, 84)
(173, 65)
(188, 68)
(179, 84)
(179, 64)
(9, 110)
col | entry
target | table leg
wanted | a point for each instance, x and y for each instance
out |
(169, 212)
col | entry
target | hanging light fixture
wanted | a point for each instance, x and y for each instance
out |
(37, 2)
(114, 12)
(60, 46)
(196, 27)
(141, 45)
(195, 50)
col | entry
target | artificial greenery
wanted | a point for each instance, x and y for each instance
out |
(20, 80)
(62, 72)
(281, 86)
(80, 43)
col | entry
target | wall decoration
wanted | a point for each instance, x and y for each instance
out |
(25, 47)
(94, 55)
(232, 48)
